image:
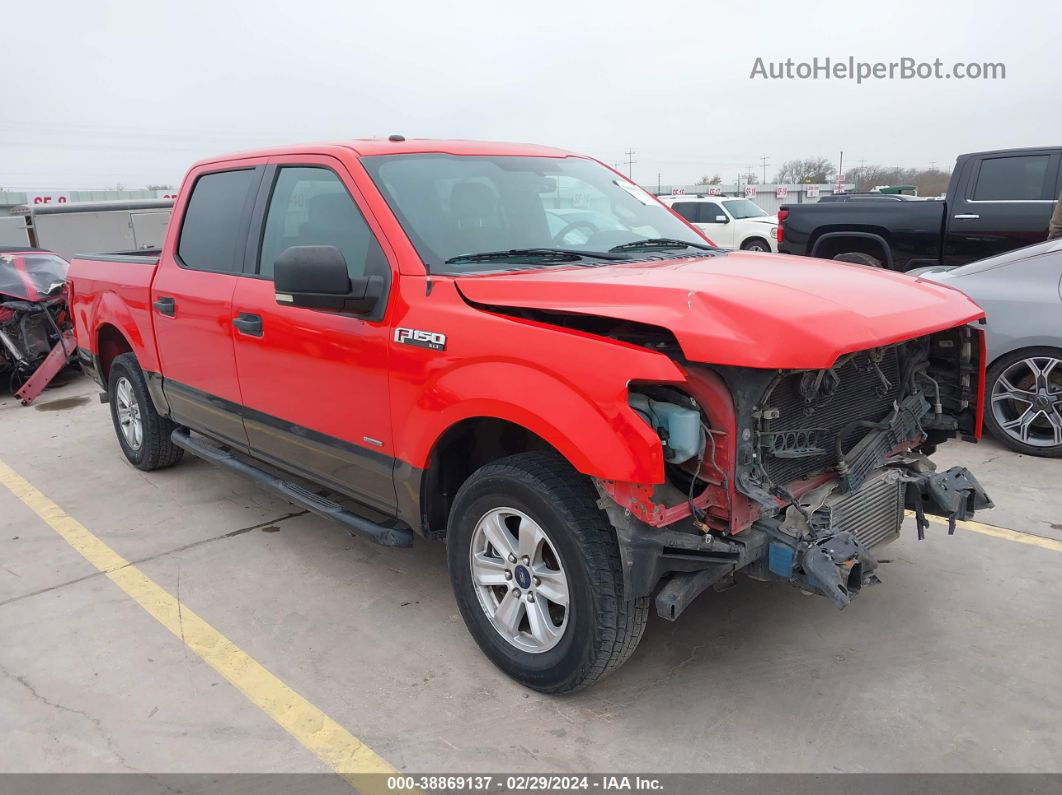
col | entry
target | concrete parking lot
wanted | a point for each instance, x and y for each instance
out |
(952, 664)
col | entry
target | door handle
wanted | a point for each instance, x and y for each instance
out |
(967, 217)
(248, 324)
(166, 306)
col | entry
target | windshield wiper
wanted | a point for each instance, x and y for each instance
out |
(554, 254)
(659, 242)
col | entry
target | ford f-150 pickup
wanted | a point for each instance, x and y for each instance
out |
(394, 334)
(996, 201)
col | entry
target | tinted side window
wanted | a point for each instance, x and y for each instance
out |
(687, 210)
(709, 210)
(1012, 178)
(311, 207)
(212, 226)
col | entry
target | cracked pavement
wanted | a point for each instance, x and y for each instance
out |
(951, 664)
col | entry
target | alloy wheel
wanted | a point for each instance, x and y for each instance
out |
(1027, 401)
(519, 580)
(128, 409)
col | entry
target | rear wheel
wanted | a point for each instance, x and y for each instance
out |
(859, 258)
(143, 434)
(1024, 407)
(536, 572)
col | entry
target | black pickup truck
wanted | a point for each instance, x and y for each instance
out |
(996, 201)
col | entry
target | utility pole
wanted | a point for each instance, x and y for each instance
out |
(763, 161)
(933, 164)
(658, 189)
(630, 161)
(840, 170)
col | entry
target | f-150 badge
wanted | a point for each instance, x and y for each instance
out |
(421, 339)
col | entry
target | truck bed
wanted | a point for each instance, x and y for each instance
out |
(912, 230)
(116, 286)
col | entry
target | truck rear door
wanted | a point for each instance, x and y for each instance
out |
(191, 299)
(314, 383)
(1001, 202)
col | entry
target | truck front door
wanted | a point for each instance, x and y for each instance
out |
(191, 299)
(314, 384)
(1001, 203)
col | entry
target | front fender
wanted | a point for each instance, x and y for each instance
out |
(600, 435)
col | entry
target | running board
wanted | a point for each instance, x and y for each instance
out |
(294, 493)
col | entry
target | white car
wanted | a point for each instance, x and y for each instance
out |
(729, 222)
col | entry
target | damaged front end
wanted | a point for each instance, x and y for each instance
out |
(800, 475)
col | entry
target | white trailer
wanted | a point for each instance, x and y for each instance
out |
(95, 227)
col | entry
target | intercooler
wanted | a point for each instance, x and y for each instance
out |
(873, 514)
(803, 414)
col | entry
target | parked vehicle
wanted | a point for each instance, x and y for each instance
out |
(996, 201)
(1021, 293)
(36, 336)
(92, 227)
(389, 334)
(728, 222)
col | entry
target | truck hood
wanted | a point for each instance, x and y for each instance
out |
(744, 308)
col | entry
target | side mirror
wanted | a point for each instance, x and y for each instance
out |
(315, 277)
(722, 219)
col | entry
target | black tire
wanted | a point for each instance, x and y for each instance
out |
(603, 627)
(156, 450)
(998, 367)
(756, 244)
(859, 258)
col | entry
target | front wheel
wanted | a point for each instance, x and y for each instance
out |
(1024, 408)
(756, 244)
(535, 568)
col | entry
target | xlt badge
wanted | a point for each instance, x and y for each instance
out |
(421, 339)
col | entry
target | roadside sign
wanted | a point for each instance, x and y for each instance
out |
(750, 191)
(781, 191)
(812, 191)
(678, 191)
(715, 190)
(47, 198)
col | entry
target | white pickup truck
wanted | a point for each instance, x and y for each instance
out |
(729, 222)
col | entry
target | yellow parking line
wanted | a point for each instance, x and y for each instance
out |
(999, 532)
(330, 742)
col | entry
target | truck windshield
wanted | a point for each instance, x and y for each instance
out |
(744, 208)
(455, 207)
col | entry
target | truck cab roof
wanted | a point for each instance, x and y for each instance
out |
(370, 147)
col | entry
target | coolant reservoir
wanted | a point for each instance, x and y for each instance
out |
(677, 426)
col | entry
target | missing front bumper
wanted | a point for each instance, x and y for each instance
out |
(824, 544)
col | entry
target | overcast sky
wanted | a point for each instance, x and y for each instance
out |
(131, 91)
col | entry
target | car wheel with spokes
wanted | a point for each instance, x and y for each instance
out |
(1024, 401)
(535, 569)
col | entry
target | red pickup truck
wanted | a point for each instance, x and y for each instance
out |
(518, 351)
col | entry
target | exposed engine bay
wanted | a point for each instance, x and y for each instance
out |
(824, 465)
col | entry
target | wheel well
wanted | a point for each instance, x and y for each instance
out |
(460, 451)
(110, 342)
(754, 238)
(831, 247)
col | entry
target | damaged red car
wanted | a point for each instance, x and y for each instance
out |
(519, 352)
(36, 336)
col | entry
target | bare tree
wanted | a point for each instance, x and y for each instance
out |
(160, 187)
(715, 179)
(928, 181)
(809, 170)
